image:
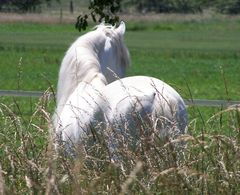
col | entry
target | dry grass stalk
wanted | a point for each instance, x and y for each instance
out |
(209, 163)
(2, 183)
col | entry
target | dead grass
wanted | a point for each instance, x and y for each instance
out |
(176, 17)
(37, 18)
(66, 17)
(209, 164)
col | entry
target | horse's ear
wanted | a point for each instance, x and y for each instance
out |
(121, 29)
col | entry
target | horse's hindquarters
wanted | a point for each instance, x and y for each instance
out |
(141, 99)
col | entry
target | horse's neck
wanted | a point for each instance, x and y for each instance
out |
(99, 81)
(79, 65)
(86, 91)
(91, 88)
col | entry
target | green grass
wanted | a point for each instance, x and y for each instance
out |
(196, 56)
(199, 59)
(193, 54)
(40, 48)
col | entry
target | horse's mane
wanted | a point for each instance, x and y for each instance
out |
(81, 63)
(122, 49)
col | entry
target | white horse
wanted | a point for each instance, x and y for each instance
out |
(89, 103)
(93, 60)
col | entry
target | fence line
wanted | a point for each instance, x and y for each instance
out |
(212, 103)
(194, 102)
(16, 93)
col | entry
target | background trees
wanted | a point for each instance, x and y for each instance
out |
(23, 5)
(100, 10)
(185, 6)
(108, 10)
(104, 8)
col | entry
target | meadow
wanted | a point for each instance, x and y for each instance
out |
(199, 58)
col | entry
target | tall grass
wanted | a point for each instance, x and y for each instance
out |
(210, 164)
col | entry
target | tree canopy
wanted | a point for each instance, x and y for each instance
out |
(23, 5)
(100, 10)
(108, 10)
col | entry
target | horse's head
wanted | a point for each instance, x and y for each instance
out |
(113, 56)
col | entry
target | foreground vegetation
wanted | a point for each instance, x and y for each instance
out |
(210, 163)
(198, 58)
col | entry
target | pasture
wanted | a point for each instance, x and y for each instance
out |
(200, 59)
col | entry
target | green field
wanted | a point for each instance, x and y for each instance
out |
(181, 54)
(200, 59)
